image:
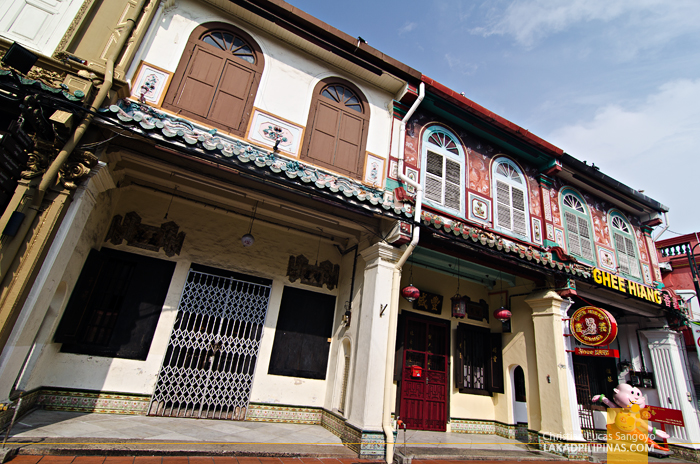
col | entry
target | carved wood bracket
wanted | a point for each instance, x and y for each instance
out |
(309, 274)
(143, 236)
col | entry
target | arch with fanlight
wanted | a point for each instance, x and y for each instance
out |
(577, 224)
(217, 78)
(510, 194)
(625, 244)
(444, 169)
(336, 134)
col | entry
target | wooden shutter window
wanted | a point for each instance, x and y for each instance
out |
(217, 78)
(503, 217)
(337, 128)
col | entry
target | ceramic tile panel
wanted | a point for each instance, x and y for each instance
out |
(85, 401)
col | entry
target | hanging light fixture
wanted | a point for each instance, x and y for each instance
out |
(503, 314)
(459, 303)
(410, 293)
(248, 238)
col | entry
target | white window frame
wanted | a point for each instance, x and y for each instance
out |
(428, 179)
(500, 206)
(628, 265)
(574, 237)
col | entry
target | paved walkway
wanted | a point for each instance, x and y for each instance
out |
(215, 460)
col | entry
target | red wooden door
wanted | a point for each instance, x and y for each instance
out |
(424, 375)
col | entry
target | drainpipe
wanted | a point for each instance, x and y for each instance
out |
(49, 177)
(396, 284)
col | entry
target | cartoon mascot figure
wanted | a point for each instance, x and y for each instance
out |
(632, 420)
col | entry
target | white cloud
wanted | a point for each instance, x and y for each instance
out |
(648, 22)
(653, 145)
(460, 65)
(407, 27)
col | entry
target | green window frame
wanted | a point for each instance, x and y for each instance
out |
(510, 199)
(625, 246)
(577, 224)
(444, 169)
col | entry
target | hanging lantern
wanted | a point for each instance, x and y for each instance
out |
(411, 293)
(503, 314)
(459, 306)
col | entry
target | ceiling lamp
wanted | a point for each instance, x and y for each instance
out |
(248, 239)
(459, 303)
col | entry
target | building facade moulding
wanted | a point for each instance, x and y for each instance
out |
(211, 144)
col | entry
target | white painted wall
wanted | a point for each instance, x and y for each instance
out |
(213, 239)
(37, 24)
(289, 77)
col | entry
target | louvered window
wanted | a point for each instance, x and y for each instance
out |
(443, 172)
(577, 228)
(511, 199)
(624, 244)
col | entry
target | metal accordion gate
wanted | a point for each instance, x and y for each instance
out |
(209, 365)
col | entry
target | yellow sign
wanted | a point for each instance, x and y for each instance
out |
(626, 286)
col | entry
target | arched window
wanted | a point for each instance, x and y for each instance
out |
(510, 206)
(217, 78)
(578, 228)
(336, 132)
(625, 245)
(443, 175)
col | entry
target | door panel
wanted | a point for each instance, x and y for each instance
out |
(423, 404)
(210, 361)
(232, 95)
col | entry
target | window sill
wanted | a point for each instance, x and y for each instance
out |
(475, 391)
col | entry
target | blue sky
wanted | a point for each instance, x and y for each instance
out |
(615, 83)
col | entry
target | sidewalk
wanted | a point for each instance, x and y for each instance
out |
(128, 439)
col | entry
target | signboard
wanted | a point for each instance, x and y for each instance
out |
(666, 416)
(628, 287)
(601, 352)
(593, 326)
(430, 302)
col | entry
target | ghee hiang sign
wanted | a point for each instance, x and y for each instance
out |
(628, 287)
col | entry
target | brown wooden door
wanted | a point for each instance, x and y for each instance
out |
(214, 88)
(337, 129)
(424, 396)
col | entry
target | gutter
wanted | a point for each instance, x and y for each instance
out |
(396, 284)
(49, 177)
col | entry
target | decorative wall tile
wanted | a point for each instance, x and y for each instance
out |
(647, 274)
(270, 130)
(547, 204)
(550, 232)
(90, 401)
(479, 208)
(374, 171)
(606, 259)
(537, 231)
(287, 414)
(559, 238)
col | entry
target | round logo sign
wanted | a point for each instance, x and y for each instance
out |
(593, 326)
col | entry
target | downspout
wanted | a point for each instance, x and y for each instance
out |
(396, 284)
(49, 177)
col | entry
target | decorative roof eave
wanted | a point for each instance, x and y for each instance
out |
(40, 85)
(224, 149)
(544, 257)
(500, 243)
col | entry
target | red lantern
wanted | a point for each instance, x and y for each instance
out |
(411, 293)
(502, 314)
(459, 306)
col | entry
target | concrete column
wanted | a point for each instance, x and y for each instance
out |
(556, 394)
(673, 383)
(371, 343)
(16, 358)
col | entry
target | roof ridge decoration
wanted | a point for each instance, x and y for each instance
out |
(492, 240)
(231, 148)
(39, 83)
